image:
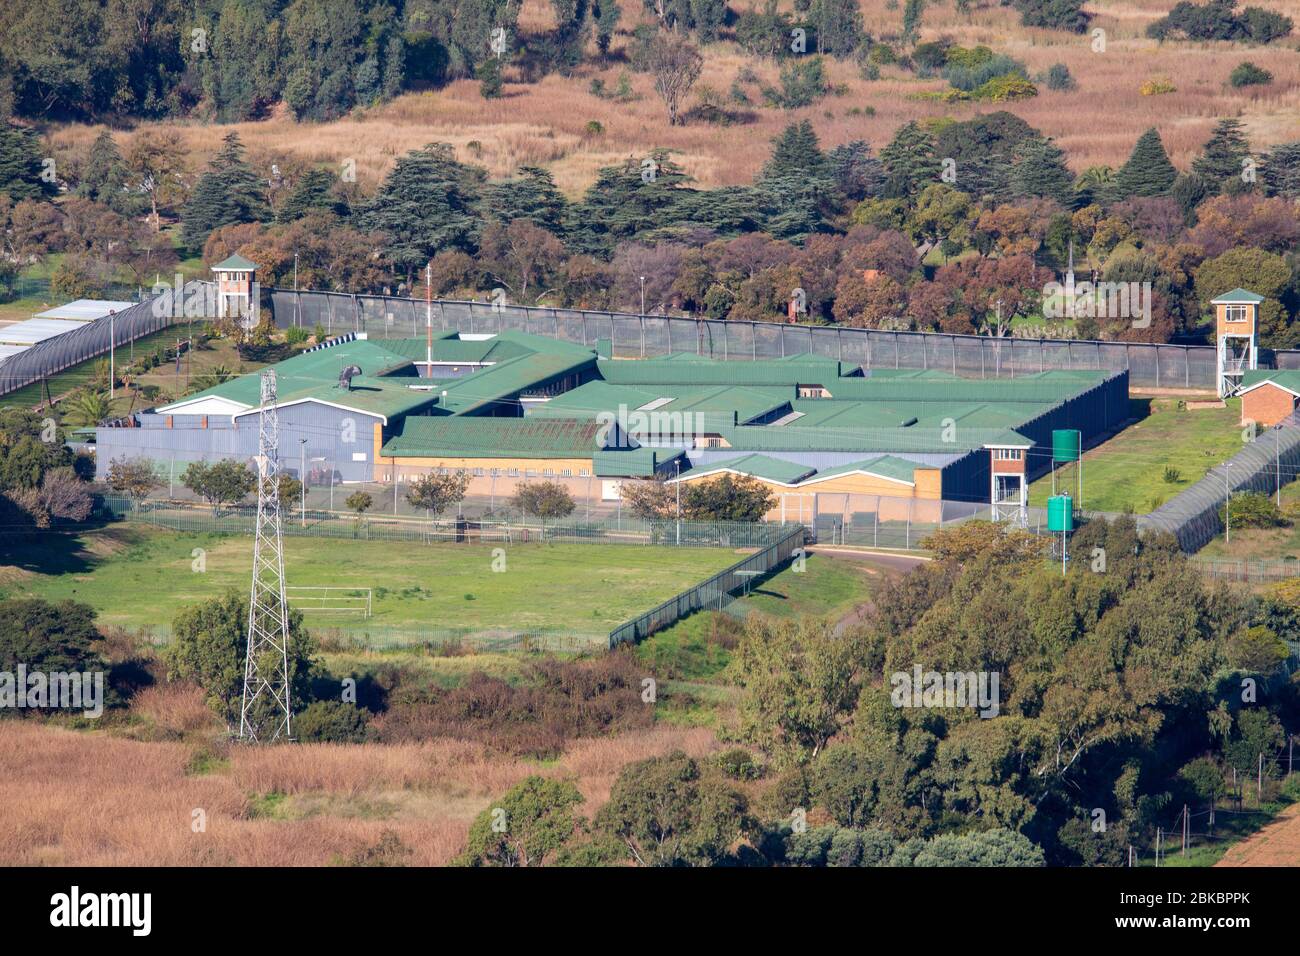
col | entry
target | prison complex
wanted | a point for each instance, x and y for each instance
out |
(510, 406)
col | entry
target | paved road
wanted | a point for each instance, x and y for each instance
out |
(885, 559)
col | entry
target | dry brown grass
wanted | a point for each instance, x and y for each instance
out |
(93, 799)
(1097, 123)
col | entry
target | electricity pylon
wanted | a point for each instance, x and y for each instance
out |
(264, 713)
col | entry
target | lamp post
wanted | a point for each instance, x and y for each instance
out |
(112, 345)
(302, 478)
(643, 296)
(677, 464)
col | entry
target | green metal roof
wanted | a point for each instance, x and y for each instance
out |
(886, 466)
(756, 466)
(643, 462)
(235, 263)
(764, 372)
(1237, 295)
(506, 380)
(1285, 378)
(709, 406)
(486, 437)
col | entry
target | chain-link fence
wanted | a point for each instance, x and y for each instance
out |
(715, 593)
(643, 336)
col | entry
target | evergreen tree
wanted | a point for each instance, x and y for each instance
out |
(315, 191)
(427, 204)
(1221, 162)
(1279, 170)
(228, 192)
(1148, 171)
(983, 150)
(910, 162)
(639, 196)
(797, 153)
(335, 52)
(20, 164)
(532, 195)
(1041, 171)
(244, 72)
(856, 172)
(605, 14)
(105, 176)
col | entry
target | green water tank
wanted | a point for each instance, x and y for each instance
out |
(1065, 444)
(1060, 513)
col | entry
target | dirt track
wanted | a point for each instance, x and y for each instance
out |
(1278, 844)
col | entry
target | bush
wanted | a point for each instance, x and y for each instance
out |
(1059, 78)
(802, 84)
(1248, 74)
(331, 722)
(1157, 86)
(1012, 86)
(295, 335)
(1173, 476)
(1053, 14)
(1251, 509)
(970, 73)
(738, 764)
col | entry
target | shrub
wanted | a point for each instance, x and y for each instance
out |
(738, 764)
(1053, 14)
(1059, 78)
(968, 74)
(1248, 74)
(295, 335)
(1251, 509)
(1172, 476)
(802, 84)
(331, 722)
(1009, 87)
(1157, 86)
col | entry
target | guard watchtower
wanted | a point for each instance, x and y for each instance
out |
(236, 290)
(1236, 324)
(1008, 478)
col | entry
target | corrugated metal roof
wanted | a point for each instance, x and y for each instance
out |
(765, 372)
(1286, 378)
(710, 406)
(756, 466)
(507, 379)
(886, 466)
(484, 437)
(1237, 295)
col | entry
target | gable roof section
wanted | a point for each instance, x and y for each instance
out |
(506, 380)
(764, 467)
(712, 372)
(888, 467)
(1286, 379)
(235, 263)
(1237, 296)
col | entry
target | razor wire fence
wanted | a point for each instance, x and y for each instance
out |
(1264, 465)
(1150, 365)
(1248, 571)
(714, 593)
(91, 340)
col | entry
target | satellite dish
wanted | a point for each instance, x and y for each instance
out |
(346, 375)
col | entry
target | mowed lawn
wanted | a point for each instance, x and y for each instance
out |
(137, 578)
(1128, 471)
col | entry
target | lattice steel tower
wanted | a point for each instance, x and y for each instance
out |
(265, 712)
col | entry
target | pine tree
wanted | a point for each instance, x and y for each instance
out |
(910, 162)
(1041, 171)
(796, 152)
(315, 191)
(105, 175)
(1220, 164)
(532, 195)
(427, 204)
(1148, 171)
(639, 196)
(838, 26)
(228, 192)
(20, 164)
(1280, 170)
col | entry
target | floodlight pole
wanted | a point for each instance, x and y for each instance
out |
(302, 478)
(677, 463)
(428, 320)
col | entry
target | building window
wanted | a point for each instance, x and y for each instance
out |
(1236, 313)
(1007, 454)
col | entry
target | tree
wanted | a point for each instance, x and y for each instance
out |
(526, 827)
(47, 637)
(1053, 14)
(157, 166)
(544, 500)
(727, 498)
(360, 502)
(21, 165)
(799, 679)
(838, 25)
(1222, 162)
(910, 162)
(315, 191)
(223, 482)
(340, 54)
(912, 12)
(667, 812)
(675, 64)
(427, 204)
(228, 192)
(209, 644)
(30, 446)
(87, 407)
(1041, 172)
(530, 196)
(331, 722)
(1257, 270)
(104, 178)
(1205, 777)
(1148, 171)
(133, 477)
(981, 848)
(436, 493)
(650, 499)
(63, 495)
(521, 255)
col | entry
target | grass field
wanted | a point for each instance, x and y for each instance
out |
(1262, 544)
(697, 648)
(1128, 471)
(140, 579)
